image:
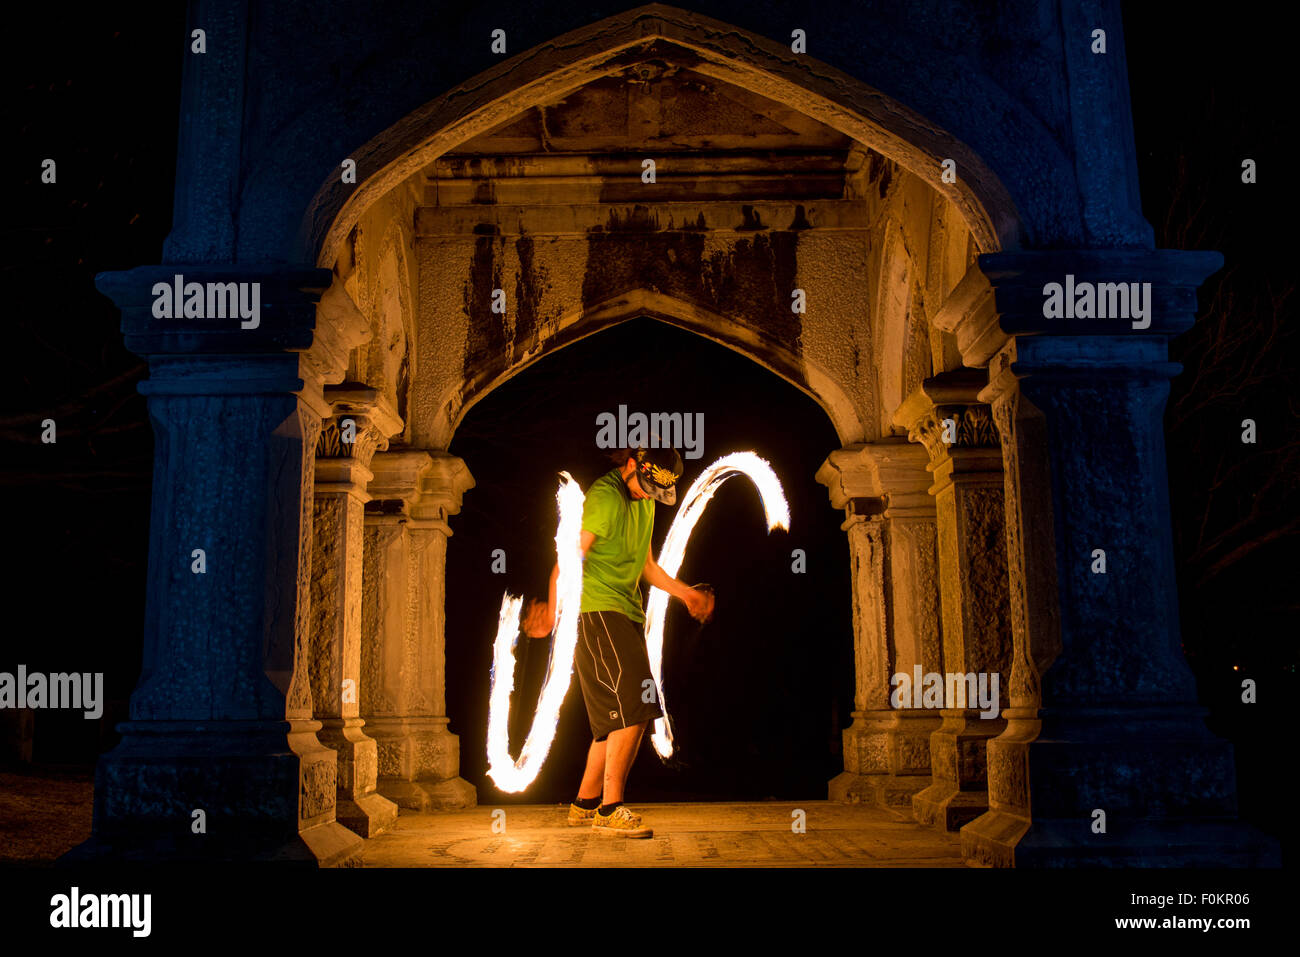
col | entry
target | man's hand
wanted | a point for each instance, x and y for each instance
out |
(539, 619)
(699, 602)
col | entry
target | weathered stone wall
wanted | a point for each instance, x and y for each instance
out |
(732, 287)
(871, 278)
(329, 80)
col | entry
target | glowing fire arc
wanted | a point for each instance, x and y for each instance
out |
(515, 775)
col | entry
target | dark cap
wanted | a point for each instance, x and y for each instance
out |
(657, 472)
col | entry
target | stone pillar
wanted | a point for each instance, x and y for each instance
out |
(959, 435)
(403, 687)
(1103, 712)
(359, 423)
(916, 619)
(891, 528)
(221, 719)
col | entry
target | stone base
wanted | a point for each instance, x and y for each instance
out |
(992, 837)
(368, 814)
(415, 748)
(944, 806)
(877, 790)
(426, 795)
(1000, 839)
(357, 753)
(332, 845)
(265, 790)
(325, 845)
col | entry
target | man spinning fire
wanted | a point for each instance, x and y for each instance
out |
(612, 663)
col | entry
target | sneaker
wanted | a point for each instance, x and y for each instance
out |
(580, 817)
(622, 823)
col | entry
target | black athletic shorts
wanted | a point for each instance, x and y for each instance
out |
(613, 669)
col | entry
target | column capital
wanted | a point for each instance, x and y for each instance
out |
(428, 483)
(442, 486)
(891, 470)
(1096, 288)
(373, 419)
(1006, 294)
(945, 415)
(397, 475)
(299, 327)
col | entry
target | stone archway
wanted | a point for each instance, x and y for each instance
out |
(776, 235)
(347, 394)
(718, 50)
(804, 374)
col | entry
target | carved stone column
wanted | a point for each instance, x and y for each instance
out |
(221, 720)
(891, 528)
(916, 620)
(403, 687)
(866, 752)
(1103, 710)
(962, 441)
(359, 423)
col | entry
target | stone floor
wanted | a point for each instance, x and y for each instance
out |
(686, 835)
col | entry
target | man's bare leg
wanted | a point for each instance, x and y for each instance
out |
(620, 752)
(595, 772)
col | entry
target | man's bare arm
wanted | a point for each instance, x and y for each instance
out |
(539, 619)
(698, 603)
(659, 578)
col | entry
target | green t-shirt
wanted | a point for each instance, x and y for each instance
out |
(613, 564)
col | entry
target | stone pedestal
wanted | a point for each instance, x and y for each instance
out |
(891, 529)
(1103, 714)
(959, 435)
(221, 720)
(359, 423)
(403, 688)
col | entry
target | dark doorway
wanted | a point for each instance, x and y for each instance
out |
(758, 696)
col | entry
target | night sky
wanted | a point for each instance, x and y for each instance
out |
(760, 694)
